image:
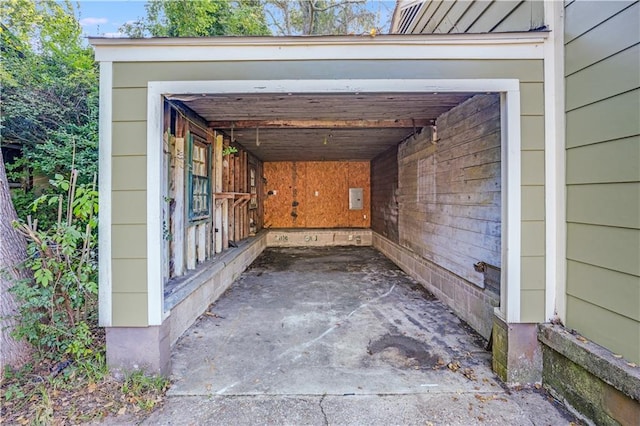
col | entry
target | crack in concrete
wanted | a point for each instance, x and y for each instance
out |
(324, 415)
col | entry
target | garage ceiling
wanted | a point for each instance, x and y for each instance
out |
(319, 127)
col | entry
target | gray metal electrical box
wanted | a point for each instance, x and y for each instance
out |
(355, 198)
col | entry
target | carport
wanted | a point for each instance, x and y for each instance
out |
(428, 148)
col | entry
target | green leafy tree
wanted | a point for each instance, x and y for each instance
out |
(184, 18)
(50, 93)
(326, 17)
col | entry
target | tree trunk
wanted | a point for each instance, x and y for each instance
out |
(12, 252)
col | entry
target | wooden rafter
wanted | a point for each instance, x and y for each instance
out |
(319, 124)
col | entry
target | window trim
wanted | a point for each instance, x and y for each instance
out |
(203, 215)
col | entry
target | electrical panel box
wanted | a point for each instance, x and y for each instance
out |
(355, 198)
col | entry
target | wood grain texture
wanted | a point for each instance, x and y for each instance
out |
(320, 191)
(384, 188)
(449, 192)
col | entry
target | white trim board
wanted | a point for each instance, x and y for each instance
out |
(386, 47)
(555, 168)
(510, 101)
(104, 195)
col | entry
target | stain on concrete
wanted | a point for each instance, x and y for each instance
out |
(406, 347)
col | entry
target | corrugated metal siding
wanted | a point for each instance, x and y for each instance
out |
(602, 70)
(471, 16)
(129, 148)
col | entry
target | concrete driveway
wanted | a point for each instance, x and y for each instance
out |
(338, 336)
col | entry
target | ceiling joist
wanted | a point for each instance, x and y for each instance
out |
(320, 124)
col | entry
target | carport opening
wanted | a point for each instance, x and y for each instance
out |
(422, 172)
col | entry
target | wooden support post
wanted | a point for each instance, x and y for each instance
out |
(202, 242)
(217, 187)
(179, 200)
(231, 211)
(225, 170)
(219, 227)
(225, 224)
(236, 225)
(191, 247)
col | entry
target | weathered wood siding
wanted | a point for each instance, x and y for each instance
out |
(384, 194)
(449, 192)
(602, 68)
(472, 16)
(441, 202)
(315, 194)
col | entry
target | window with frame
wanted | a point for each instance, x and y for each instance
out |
(199, 178)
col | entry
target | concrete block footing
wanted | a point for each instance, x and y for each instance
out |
(517, 356)
(311, 237)
(589, 378)
(139, 348)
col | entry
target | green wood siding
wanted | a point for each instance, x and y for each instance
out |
(530, 303)
(605, 327)
(608, 204)
(592, 163)
(611, 36)
(602, 70)
(617, 71)
(589, 14)
(136, 75)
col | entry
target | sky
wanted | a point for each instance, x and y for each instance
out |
(103, 18)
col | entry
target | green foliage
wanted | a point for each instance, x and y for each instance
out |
(50, 89)
(183, 18)
(326, 17)
(229, 150)
(58, 312)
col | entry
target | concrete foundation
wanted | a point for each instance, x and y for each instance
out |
(589, 378)
(318, 237)
(517, 356)
(139, 348)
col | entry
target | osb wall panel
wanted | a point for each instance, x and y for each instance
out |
(327, 195)
(315, 194)
(278, 195)
(449, 192)
(384, 188)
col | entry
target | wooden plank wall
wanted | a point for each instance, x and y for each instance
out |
(384, 188)
(192, 243)
(315, 194)
(449, 192)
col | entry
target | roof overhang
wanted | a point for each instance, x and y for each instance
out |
(521, 45)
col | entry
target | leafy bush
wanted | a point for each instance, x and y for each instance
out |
(58, 314)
